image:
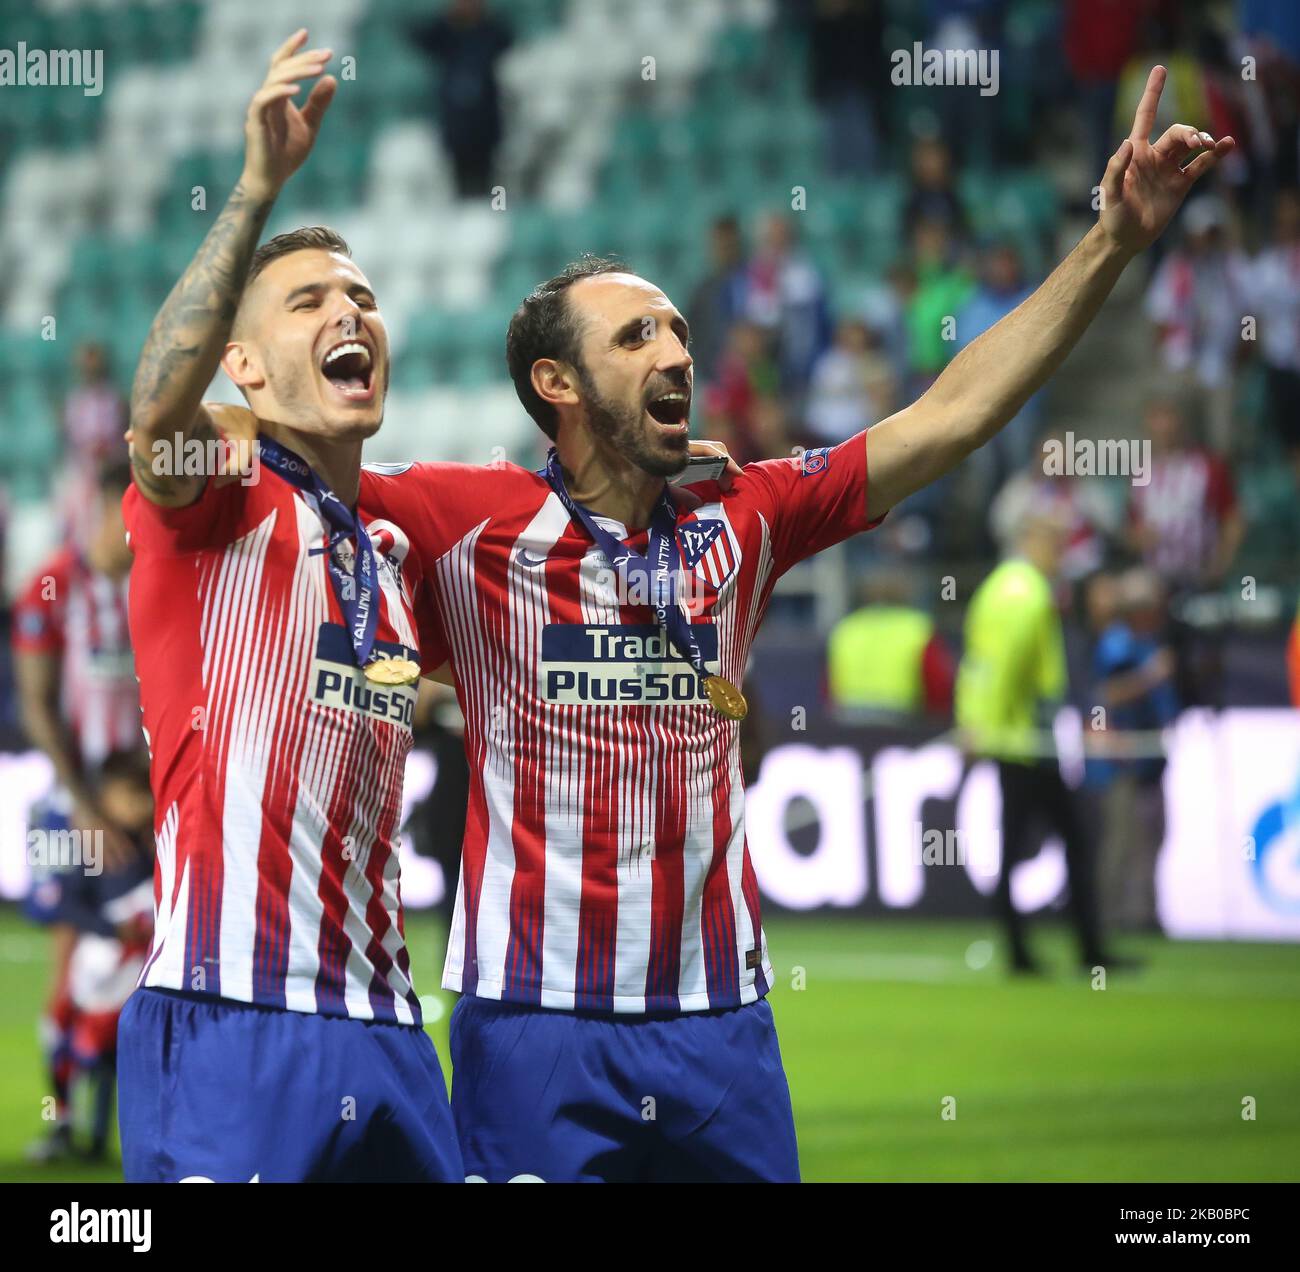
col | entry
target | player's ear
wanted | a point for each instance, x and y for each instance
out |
(555, 382)
(240, 363)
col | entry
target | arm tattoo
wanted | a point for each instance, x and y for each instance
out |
(185, 343)
(166, 487)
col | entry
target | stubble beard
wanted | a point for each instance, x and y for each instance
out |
(622, 428)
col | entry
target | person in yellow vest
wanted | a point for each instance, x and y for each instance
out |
(887, 657)
(1010, 681)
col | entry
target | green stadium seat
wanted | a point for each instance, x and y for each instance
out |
(739, 50)
(30, 412)
(216, 173)
(538, 241)
(31, 358)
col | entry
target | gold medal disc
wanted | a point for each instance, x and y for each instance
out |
(392, 671)
(725, 698)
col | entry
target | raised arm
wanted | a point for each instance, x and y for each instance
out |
(984, 386)
(189, 335)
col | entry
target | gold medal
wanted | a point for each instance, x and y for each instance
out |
(392, 671)
(725, 698)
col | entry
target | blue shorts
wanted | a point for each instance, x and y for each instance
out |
(568, 1097)
(210, 1089)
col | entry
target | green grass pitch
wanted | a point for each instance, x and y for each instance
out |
(884, 1024)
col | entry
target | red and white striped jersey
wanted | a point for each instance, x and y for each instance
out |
(277, 767)
(604, 865)
(72, 612)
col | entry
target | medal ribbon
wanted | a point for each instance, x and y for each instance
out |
(655, 573)
(357, 593)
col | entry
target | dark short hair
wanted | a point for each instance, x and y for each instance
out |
(309, 238)
(126, 766)
(545, 327)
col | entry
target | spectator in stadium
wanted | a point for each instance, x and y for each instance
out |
(719, 299)
(467, 42)
(1092, 520)
(94, 419)
(1169, 34)
(943, 285)
(1134, 678)
(1001, 288)
(884, 307)
(1196, 301)
(852, 385)
(1187, 525)
(94, 413)
(848, 75)
(933, 195)
(1275, 292)
(786, 296)
(939, 287)
(887, 657)
(1011, 679)
(746, 379)
(1099, 38)
(1185, 522)
(1270, 34)
(955, 26)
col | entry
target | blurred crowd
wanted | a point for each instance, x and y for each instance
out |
(783, 366)
(1209, 403)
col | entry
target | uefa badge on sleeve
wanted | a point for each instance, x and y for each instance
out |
(812, 462)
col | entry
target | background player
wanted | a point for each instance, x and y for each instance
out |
(277, 1033)
(607, 935)
(78, 702)
(109, 911)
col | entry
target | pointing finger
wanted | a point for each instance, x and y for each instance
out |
(1144, 120)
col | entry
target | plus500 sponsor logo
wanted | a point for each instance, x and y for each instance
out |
(336, 680)
(629, 665)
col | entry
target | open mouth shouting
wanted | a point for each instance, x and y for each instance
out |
(671, 410)
(349, 369)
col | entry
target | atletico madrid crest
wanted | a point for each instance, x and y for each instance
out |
(706, 549)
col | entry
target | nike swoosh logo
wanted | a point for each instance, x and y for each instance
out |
(529, 560)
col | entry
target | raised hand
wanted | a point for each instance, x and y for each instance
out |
(1145, 182)
(279, 135)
